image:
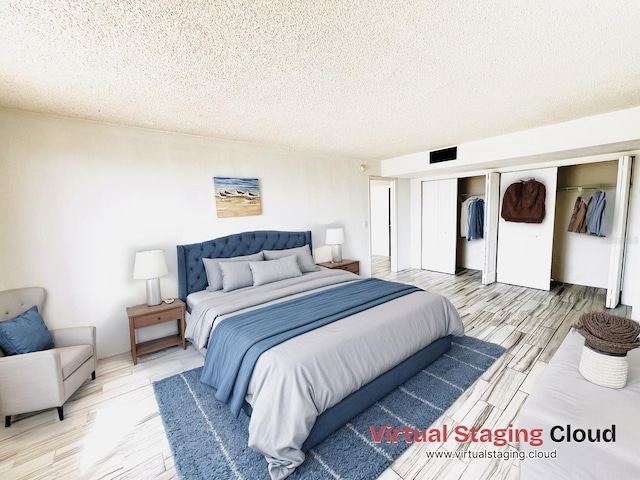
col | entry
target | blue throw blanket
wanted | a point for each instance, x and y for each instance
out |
(237, 343)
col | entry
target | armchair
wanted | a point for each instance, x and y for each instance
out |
(40, 380)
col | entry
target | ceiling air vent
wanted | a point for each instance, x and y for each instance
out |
(443, 155)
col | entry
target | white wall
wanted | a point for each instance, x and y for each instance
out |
(80, 198)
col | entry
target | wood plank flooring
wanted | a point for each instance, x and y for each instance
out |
(112, 428)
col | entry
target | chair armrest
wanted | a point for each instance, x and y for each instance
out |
(69, 337)
(29, 381)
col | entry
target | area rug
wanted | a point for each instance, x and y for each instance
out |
(209, 443)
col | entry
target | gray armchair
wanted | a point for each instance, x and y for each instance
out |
(40, 380)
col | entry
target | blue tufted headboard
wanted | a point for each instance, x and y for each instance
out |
(191, 274)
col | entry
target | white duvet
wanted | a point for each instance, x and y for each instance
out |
(296, 381)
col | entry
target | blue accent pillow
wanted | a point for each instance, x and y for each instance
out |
(24, 334)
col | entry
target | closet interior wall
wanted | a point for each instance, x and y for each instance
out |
(580, 258)
(469, 253)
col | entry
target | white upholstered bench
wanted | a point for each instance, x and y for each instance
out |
(563, 399)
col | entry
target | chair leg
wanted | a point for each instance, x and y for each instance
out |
(60, 414)
(93, 375)
(7, 421)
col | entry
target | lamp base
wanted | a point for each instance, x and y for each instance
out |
(153, 292)
(336, 253)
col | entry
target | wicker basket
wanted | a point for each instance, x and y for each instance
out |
(602, 369)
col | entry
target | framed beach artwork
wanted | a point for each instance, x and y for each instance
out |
(237, 197)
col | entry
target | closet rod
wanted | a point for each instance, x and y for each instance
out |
(471, 194)
(602, 186)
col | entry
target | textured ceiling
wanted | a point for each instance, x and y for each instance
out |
(367, 78)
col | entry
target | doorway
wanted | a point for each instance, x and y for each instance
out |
(382, 221)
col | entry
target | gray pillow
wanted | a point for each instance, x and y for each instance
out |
(235, 275)
(303, 255)
(274, 270)
(214, 274)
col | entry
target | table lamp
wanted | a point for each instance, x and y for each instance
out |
(149, 266)
(335, 237)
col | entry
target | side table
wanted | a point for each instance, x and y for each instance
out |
(348, 265)
(144, 316)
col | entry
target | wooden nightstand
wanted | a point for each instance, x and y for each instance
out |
(348, 265)
(145, 316)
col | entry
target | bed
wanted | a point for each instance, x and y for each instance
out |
(300, 348)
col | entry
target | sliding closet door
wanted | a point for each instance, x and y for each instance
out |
(439, 225)
(619, 231)
(491, 217)
(525, 249)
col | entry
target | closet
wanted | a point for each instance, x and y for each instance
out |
(581, 258)
(443, 247)
(531, 255)
(469, 252)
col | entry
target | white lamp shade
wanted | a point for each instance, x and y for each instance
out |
(335, 236)
(150, 264)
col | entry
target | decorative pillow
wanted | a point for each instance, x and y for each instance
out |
(274, 270)
(214, 274)
(235, 275)
(24, 334)
(303, 254)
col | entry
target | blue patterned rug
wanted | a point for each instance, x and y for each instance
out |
(208, 443)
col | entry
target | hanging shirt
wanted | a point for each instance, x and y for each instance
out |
(464, 216)
(578, 222)
(595, 213)
(476, 219)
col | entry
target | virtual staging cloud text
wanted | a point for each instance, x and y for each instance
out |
(497, 437)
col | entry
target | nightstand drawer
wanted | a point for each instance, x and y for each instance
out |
(158, 317)
(353, 267)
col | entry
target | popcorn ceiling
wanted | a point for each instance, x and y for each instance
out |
(366, 78)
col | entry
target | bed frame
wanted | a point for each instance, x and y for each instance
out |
(191, 273)
(192, 278)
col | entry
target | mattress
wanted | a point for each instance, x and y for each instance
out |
(297, 380)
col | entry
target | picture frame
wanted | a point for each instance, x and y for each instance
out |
(237, 197)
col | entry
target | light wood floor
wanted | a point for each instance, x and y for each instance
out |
(112, 428)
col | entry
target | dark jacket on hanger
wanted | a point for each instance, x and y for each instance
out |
(524, 202)
(578, 222)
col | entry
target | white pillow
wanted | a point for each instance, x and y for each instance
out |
(235, 275)
(303, 254)
(214, 274)
(274, 270)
